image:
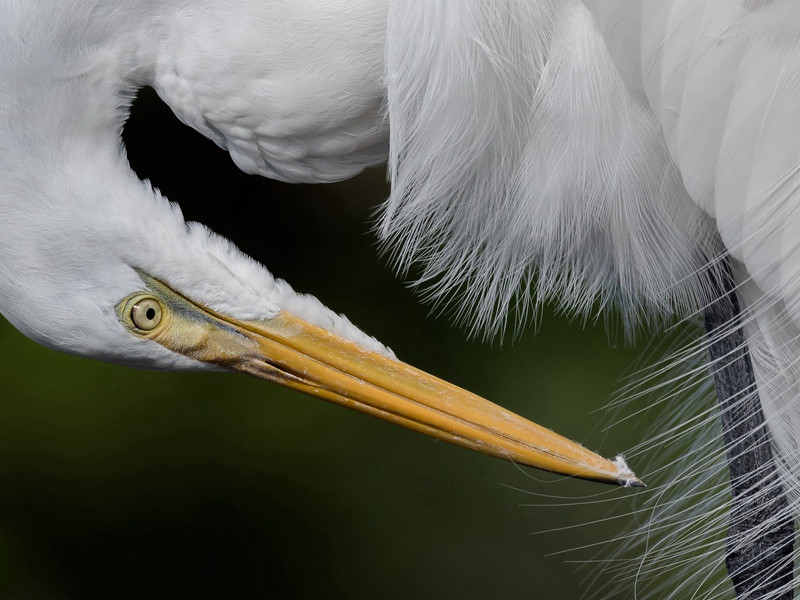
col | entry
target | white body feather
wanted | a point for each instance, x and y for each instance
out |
(609, 152)
(534, 122)
(292, 90)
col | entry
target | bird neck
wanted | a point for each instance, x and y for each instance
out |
(76, 222)
(67, 194)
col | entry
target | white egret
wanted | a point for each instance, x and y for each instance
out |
(95, 262)
(613, 153)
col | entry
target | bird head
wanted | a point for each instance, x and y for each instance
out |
(133, 283)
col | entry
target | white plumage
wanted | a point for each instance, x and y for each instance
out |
(622, 148)
(67, 79)
(596, 153)
(596, 208)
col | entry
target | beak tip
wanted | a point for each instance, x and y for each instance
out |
(631, 482)
(625, 476)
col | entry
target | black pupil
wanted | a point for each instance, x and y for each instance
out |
(150, 314)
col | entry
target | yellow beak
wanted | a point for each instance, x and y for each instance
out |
(294, 353)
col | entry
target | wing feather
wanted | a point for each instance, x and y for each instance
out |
(293, 90)
(523, 169)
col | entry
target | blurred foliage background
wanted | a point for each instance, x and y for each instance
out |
(125, 484)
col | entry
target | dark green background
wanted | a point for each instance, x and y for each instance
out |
(116, 483)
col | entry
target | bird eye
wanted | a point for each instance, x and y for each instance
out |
(146, 314)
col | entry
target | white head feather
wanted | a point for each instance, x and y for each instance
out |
(77, 222)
